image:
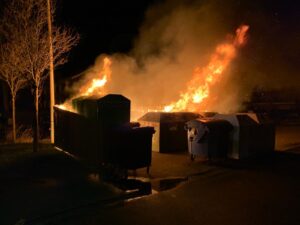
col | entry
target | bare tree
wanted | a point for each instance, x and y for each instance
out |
(30, 18)
(12, 66)
(11, 71)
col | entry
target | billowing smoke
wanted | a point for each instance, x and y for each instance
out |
(176, 37)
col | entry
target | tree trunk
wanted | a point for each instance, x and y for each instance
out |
(13, 104)
(36, 121)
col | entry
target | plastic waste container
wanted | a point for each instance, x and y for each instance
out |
(208, 138)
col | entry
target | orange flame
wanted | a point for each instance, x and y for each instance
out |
(96, 85)
(66, 106)
(91, 87)
(199, 87)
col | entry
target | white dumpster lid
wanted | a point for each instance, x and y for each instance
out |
(240, 119)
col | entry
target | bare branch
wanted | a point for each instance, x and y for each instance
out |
(24, 53)
(12, 67)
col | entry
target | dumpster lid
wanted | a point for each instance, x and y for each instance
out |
(113, 98)
(169, 117)
(245, 119)
(103, 98)
(209, 122)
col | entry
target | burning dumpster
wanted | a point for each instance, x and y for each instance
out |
(100, 133)
(77, 136)
(170, 135)
(253, 135)
(111, 109)
(208, 138)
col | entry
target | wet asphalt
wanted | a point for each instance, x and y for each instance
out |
(50, 187)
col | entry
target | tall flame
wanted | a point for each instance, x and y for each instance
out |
(96, 85)
(198, 89)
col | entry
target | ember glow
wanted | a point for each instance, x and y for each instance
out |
(66, 106)
(198, 89)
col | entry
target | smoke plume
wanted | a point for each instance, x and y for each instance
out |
(178, 36)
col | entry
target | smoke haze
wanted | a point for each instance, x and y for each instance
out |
(176, 37)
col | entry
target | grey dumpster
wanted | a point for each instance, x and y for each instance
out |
(208, 138)
(170, 135)
(253, 135)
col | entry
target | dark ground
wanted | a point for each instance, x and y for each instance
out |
(52, 188)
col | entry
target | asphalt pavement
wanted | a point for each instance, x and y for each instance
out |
(50, 187)
(266, 191)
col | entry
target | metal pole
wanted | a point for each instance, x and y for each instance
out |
(52, 89)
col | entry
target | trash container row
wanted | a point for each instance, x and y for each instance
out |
(237, 136)
(101, 133)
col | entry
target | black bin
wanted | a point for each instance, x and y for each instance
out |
(111, 110)
(131, 147)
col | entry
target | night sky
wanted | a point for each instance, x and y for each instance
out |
(112, 26)
(104, 27)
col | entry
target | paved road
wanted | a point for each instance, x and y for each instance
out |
(260, 193)
(52, 188)
(45, 183)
